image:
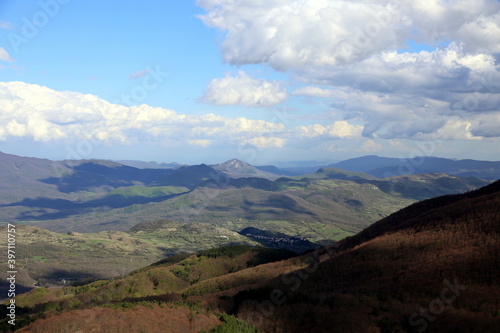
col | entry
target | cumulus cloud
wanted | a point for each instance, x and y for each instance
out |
(415, 95)
(447, 69)
(481, 35)
(338, 130)
(342, 129)
(294, 34)
(243, 90)
(409, 95)
(472, 22)
(299, 33)
(348, 52)
(42, 114)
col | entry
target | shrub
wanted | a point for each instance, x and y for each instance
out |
(231, 251)
(231, 324)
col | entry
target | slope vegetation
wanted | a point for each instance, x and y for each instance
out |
(47, 258)
(157, 287)
(432, 267)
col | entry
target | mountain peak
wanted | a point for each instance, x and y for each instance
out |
(236, 164)
(236, 168)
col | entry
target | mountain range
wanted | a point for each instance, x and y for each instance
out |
(383, 167)
(433, 266)
(99, 195)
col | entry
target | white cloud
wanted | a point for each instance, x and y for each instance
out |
(472, 22)
(4, 55)
(314, 92)
(42, 114)
(310, 132)
(243, 90)
(409, 95)
(345, 51)
(417, 73)
(294, 34)
(337, 130)
(482, 34)
(304, 33)
(342, 130)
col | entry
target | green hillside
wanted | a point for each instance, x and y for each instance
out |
(319, 209)
(47, 258)
(146, 192)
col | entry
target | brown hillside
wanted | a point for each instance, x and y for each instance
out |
(433, 267)
(151, 319)
(432, 212)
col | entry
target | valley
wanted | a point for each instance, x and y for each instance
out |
(96, 233)
(433, 266)
(94, 195)
(125, 217)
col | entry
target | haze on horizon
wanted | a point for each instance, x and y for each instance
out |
(266, 82)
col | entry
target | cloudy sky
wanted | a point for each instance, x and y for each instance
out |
(263, 81)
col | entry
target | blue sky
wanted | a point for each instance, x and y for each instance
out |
(271, 82)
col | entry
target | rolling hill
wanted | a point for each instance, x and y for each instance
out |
(433, 267)
(49, 259)
(319, 209)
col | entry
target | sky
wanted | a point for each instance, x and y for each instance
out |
(267, 82)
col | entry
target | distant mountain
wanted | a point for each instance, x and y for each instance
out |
(98, 195)
(277, 171)
(297, 171)
(335, 173)
(431, 267)
(149, 165)
(94, 174)
(238, 169)
(191, 176)
(383, 167)
(366, 163)
(20, 177)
